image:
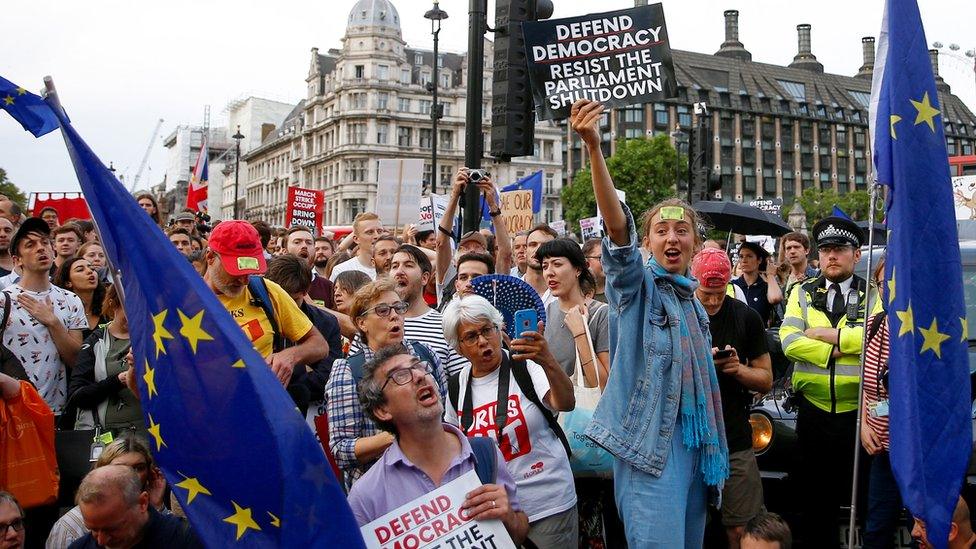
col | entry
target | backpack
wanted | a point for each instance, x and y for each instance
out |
(485, 459)
(261, 298)
(520, 372)
(357, 361)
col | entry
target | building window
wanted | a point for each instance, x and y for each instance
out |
(684, 116)
(404, 76)
(360, 71)
(550, 183)
(356, 133)
(418, 59)
(382, 100)
(383, 72)
(425, 106)
(424, 138)
(358, 101)
(445, 80)
(447, 173)
(446, 109)
(403, 137)
(382, 133)
(403, 104)
(427, 170)
(354, 207)
(424, 77)
(446, 139)
(356, 171)
(550, 212)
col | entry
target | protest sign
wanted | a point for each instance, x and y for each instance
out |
(517, 210)
(436, 520)
(617, 58)
(559, 227)
(431, 212)
(590, 228)
(768, 205)
(305, 208)
(398, 189)
(964, 191)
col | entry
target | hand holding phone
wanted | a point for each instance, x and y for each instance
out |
(526, 320)
(722, 354)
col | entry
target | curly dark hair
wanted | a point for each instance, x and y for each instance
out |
(62, 279)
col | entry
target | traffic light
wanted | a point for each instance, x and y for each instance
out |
(512, 116)
(704, 181)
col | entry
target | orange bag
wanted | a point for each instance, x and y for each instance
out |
(28, 463)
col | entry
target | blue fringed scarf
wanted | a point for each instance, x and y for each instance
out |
(701, 403)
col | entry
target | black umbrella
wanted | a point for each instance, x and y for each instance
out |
(741, 218)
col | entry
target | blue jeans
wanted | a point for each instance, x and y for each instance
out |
(884, 505)
(663, 512)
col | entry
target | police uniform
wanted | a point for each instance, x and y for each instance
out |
(826, 387)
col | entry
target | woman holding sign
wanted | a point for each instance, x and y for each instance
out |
(661, 413)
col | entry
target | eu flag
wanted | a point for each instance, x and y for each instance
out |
(931, 435)
(239, 457)
(532, 182)
(28, 109)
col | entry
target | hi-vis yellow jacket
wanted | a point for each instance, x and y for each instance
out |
(829, 383)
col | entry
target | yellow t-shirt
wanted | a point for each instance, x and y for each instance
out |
(292, 322)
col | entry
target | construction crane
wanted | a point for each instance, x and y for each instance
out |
(145, 157)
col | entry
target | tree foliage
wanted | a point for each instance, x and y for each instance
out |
(819, 203)
(8, 188)
(643, 168)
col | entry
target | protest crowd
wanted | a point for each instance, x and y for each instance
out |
(611, 409)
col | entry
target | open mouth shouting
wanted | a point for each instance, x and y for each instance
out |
(427, 396)
(672, 255)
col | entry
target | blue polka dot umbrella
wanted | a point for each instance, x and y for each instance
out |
(509, 294)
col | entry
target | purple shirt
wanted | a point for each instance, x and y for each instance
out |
(394, 481)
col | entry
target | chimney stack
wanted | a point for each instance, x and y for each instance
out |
(867, 69)
(804, 58)
(732, 47)
(940, 84)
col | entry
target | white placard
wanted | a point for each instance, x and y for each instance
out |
(964, 194)
(431, 212)
(590, 228)
(435, 520)
(559, 227)
(398, 187)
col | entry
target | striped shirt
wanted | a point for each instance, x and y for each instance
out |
(875, 361)
(427, 328)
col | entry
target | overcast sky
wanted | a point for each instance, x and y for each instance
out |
(121, 65)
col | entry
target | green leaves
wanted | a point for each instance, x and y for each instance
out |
(643, 168)
(8, 188)
(819, 203)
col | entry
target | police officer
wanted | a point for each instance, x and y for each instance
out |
(822, 335)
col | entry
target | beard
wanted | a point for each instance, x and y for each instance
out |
(320, 263)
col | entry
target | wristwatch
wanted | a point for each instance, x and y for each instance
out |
(495, 213)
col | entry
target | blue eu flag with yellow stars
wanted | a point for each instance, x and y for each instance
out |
(239, 457)
(931, 435)
(28, 109)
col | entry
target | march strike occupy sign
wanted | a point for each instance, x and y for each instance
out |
(436, 521)
(617, 58)
(305, 207)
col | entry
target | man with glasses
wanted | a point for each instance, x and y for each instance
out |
(592, 251)
(12, 531)
(400, 395)
(235, 255)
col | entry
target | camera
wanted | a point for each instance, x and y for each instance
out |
(475, 176)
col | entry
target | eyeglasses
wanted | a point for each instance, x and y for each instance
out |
(472, 337)
(17, 525)
(383, 309)
(592, 257)
(403, 376)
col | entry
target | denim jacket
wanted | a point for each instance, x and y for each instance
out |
(636, 417)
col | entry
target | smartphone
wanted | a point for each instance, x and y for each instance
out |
(526, 320)
(723, 353)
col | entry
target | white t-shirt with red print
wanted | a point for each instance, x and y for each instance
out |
(533, 453)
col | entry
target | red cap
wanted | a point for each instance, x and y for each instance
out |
(239, 247)
(712, 268)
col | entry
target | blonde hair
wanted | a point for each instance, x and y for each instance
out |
(368, 294)
(696, 220)
(363, 217)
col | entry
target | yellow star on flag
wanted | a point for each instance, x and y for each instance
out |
(192, 487)
(965, 328)
(160, 332)
(154, 431)
(275, 521)
(21, 91)
(926, 112)
(242, 519)
(894, 119)
(933, 339)
(192, 330)
(891, 287)
(8, 100)
(150, 379)
(238, 364)
(907, 320)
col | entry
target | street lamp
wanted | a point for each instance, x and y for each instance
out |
(237, 166)
(680, 144)
(436, 15)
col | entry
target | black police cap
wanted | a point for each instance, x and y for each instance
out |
(837, 231)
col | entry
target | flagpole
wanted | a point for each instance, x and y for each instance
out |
(860, 380)
(51, 94)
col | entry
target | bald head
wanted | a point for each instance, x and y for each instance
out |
(110, 482)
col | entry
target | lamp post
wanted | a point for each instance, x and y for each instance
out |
(237, 166)
(680, 145)
(436, 15)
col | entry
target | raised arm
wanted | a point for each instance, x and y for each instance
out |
(503, 241)
(585, 120)
(445, 250)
